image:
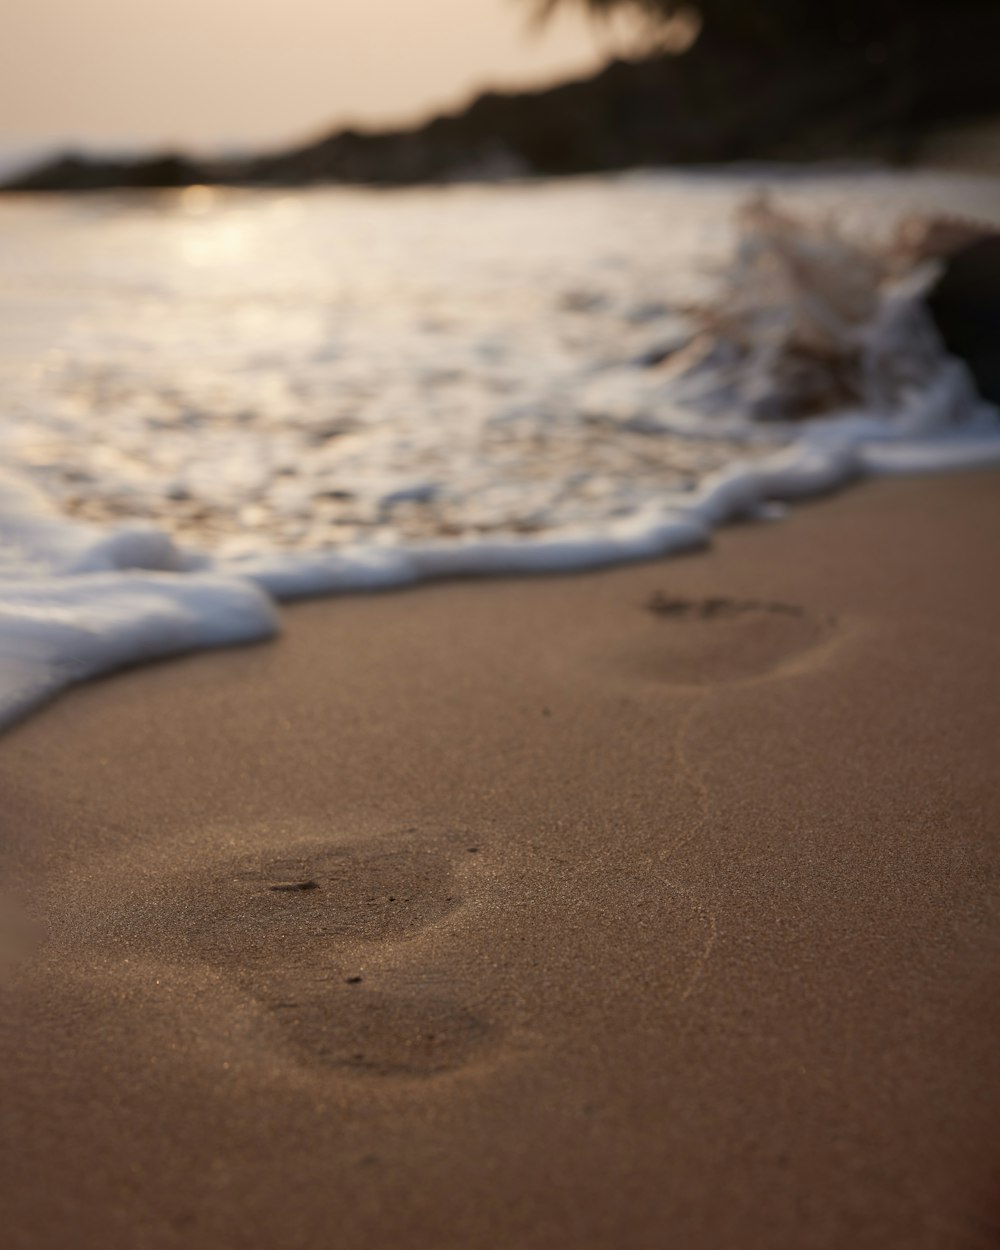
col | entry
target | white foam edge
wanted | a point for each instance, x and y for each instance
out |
(55, 631)
(77, 601)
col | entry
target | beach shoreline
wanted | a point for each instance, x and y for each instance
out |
(473, 380)
(649, 906)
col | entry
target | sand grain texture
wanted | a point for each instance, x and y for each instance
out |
(520, 914)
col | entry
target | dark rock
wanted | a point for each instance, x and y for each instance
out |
(965, 304)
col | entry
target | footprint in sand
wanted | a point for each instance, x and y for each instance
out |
(293, 930)
(314, 894)
(707, 641)
(369, 1032)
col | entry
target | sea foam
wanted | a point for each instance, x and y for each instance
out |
(501, 384)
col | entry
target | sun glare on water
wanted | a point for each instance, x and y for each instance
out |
(196, 201)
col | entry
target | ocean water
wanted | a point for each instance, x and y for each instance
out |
(215, 399)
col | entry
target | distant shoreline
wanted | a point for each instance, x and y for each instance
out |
(721, 103)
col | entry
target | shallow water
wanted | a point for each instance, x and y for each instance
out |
(337, 388)
(310, 369)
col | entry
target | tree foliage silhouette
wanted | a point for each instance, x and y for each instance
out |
(773, 21)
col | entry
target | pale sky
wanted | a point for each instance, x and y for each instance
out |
(204, 72)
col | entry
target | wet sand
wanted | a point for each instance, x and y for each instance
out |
(649, 908)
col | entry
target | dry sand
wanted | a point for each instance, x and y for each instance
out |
(673, 929)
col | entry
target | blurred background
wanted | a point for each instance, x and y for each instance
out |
(338, 90)
(235, 75)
